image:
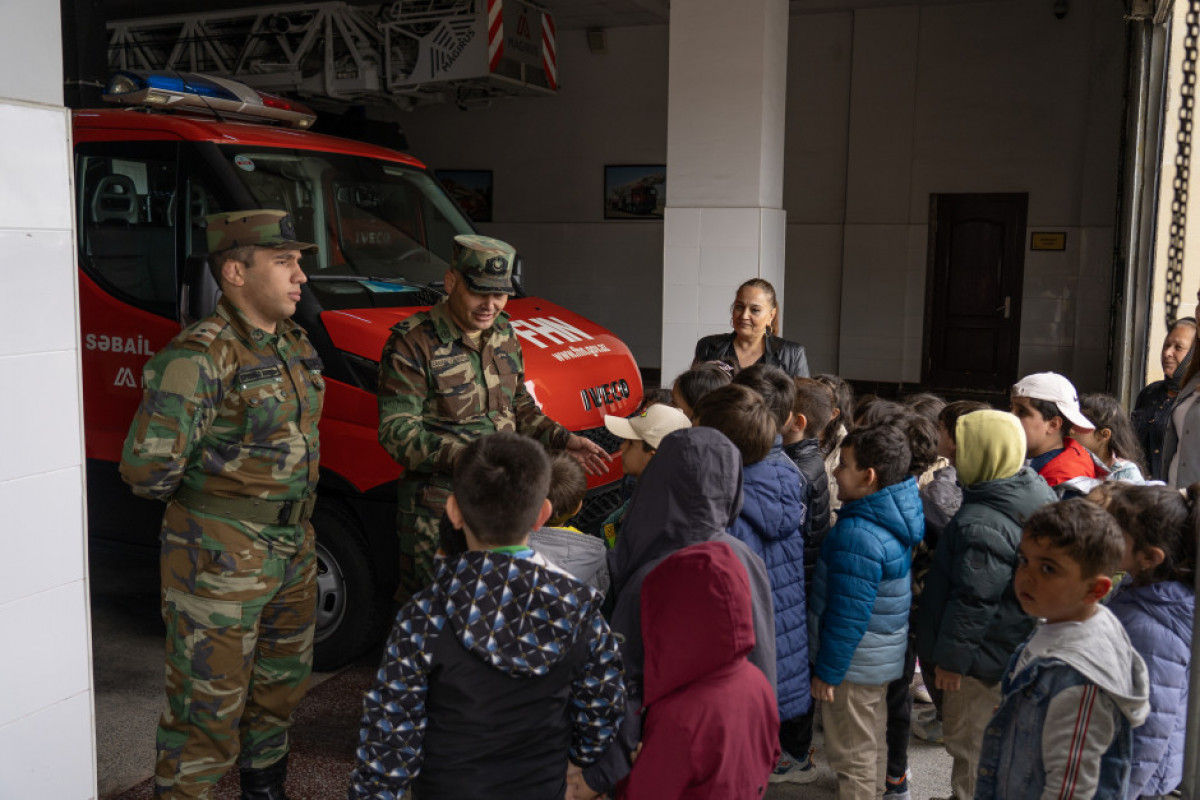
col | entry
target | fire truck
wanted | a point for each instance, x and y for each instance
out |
(185, 146)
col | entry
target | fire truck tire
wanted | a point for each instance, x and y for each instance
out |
(350, 608)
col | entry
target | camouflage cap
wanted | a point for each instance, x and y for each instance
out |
(485, 263)
(261, 227)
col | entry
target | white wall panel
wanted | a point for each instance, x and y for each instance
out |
(47, 754)
(43, 515)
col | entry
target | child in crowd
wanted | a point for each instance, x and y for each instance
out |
(1156, 603)
(858, 617)
(921, 433)
(690, 493)
(1048, 407)
(771, 523)
(811, 412)
(1073, 692)
(968, 621)
(941, 497)
(928, 407)
(1112, 441)
(831, 438)
(710, 728)
(502, 669)
(698, 381)
(640, 436)
(568, 548)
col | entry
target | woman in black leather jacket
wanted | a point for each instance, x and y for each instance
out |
(1152, 411)
(755, 339)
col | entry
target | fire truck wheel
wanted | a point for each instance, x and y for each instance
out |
(350, 608)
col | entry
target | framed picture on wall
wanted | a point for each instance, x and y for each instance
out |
(635, 191)
(471, 189)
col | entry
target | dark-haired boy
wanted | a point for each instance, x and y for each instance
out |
(1048, 407)
(564, 546)
(501, 670)
(1074, 691)
(859, 603)
(771, 524)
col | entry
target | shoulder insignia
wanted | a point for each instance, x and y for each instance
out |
(201, 335)
(410, 323)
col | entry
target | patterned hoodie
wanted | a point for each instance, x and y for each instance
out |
(492, 678)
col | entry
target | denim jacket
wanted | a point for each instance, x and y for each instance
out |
(1064, 726)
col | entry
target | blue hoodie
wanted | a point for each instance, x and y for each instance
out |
(861, 593)
(771, 523)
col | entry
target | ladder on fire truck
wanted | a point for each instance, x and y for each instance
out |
(405, 52)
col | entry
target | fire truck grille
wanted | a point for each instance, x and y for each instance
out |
(602, 437)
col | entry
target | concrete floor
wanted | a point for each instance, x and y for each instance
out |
(127, 651)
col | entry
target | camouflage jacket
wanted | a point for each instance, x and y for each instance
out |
(229, 410)
(439, 391)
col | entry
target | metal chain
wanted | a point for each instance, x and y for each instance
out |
(1183, 160)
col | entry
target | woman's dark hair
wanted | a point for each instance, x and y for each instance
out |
(767, 289)
(699, 381)
(1158, 516)
(1105, 411)
(843, 404)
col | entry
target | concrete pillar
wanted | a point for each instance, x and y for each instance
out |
(725, 125)
(46, 722)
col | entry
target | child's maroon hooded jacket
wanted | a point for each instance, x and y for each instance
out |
(710, 727)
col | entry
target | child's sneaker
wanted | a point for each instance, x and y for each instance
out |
(897, 788)
(789, 770)
(928, 730)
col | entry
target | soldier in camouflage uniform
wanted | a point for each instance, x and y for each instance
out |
(448, 376)
(227, 435)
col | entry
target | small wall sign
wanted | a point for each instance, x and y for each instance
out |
(1048, 240)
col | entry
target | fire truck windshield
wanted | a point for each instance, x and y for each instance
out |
(385, 230)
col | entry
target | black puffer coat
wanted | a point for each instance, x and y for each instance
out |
(806, 455)
(968, 619)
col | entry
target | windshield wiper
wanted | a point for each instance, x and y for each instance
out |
(436, 286)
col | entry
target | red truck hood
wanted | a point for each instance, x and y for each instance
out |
(575, 369)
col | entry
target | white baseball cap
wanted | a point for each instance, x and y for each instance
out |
(650, 426)
(1054, 388)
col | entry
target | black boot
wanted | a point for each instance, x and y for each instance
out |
(265, 783)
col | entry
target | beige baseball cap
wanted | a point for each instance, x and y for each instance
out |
(650, 426)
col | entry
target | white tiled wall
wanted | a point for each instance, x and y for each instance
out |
(46, 722)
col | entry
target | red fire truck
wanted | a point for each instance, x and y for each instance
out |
(146, 178)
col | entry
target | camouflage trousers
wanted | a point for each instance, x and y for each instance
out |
(239, 603)
(421, 506)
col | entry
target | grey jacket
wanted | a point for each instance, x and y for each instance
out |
(1185, 444)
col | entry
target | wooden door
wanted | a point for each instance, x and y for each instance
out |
(973, 291)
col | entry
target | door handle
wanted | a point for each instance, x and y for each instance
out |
(1007, 307)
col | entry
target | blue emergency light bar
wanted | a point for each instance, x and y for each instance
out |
(204, 94)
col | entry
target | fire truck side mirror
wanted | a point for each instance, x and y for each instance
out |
(199, 291)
